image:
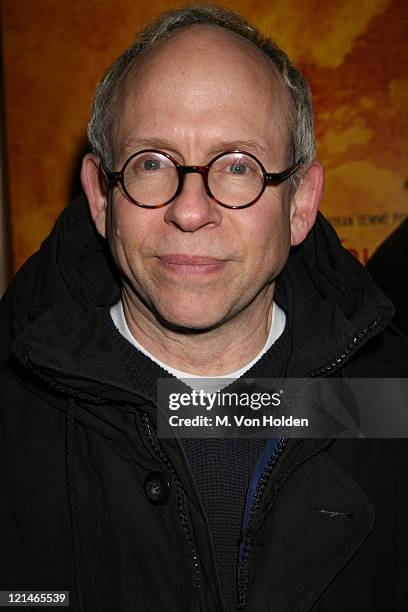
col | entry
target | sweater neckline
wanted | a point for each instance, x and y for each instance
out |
(278, 322)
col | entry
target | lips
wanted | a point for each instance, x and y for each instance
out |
(190, 260)
(198, 265)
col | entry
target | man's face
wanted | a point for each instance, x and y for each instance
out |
(193, 262)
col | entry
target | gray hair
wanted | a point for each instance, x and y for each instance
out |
(100, 126)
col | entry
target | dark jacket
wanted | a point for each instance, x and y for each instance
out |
(78, 443)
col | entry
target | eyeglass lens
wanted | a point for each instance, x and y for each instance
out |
(234, 179)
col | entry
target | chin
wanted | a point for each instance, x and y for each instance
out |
(189, 321)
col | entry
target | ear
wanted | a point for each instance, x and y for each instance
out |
(93, 184)
(305, 203)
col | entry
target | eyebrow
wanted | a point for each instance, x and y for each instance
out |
(214, 148)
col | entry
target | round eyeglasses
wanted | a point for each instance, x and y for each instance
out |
(234, 179)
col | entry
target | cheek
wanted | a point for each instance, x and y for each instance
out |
(125, 218)
(126, 232)
(268, 239)
(132, 224)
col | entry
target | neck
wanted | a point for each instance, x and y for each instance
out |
(214, 352)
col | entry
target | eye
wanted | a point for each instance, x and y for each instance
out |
(238, 168)
(151, 164)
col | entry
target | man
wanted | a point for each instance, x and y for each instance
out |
(201, 179)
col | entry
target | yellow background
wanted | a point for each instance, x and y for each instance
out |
(354, 54)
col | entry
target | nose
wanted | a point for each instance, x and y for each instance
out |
(193, 208)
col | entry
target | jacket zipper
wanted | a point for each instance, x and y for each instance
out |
(256, 502)
(243, 579)
(346, 353)
(181, 502)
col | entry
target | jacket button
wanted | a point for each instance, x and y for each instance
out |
(157, 487)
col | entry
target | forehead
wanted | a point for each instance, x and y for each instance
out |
(204, 80)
